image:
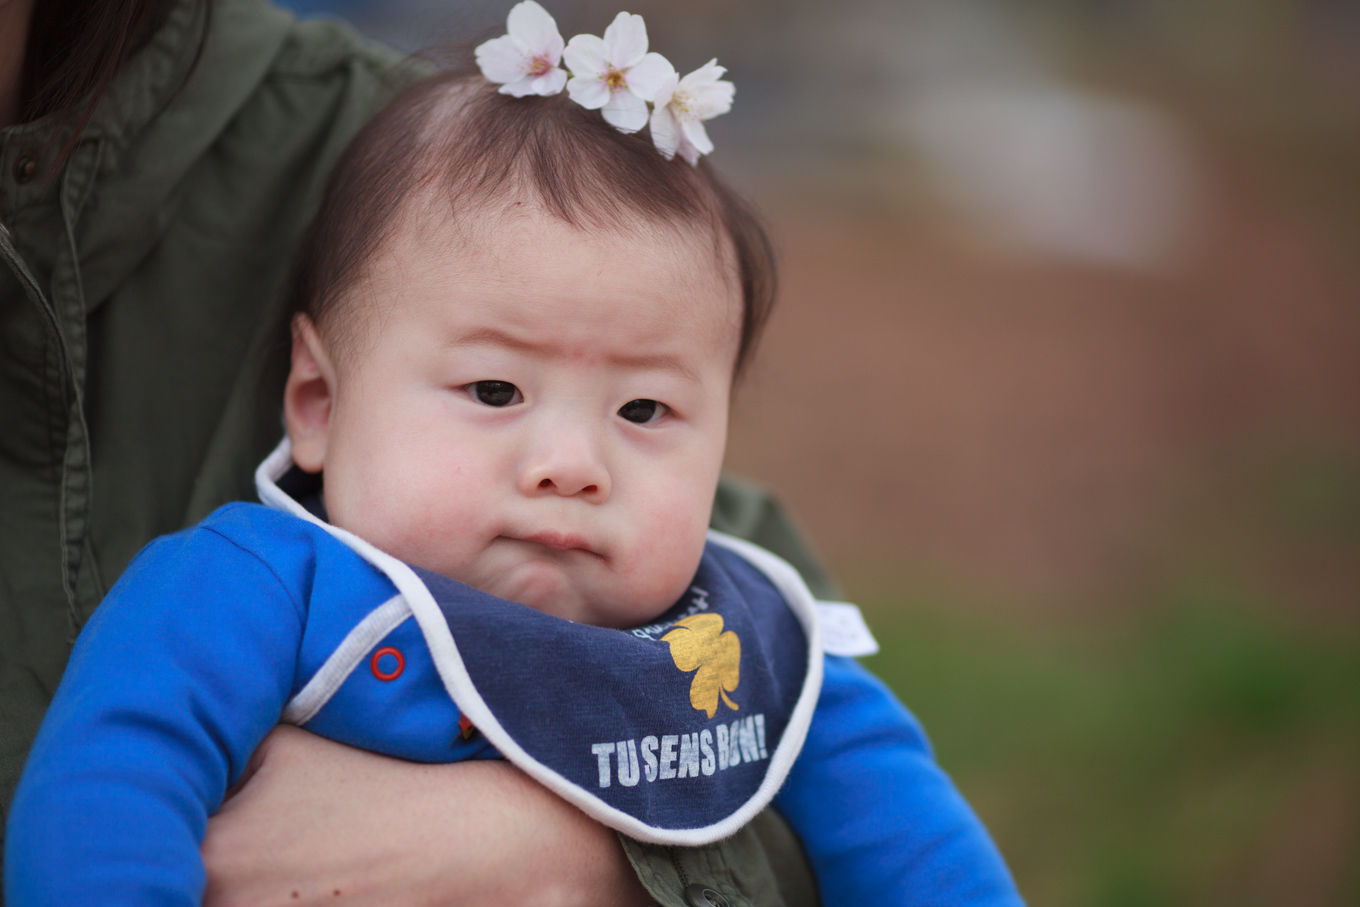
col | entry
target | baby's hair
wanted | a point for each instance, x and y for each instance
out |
(454, 135)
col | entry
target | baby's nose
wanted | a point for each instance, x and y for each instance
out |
(567, 470)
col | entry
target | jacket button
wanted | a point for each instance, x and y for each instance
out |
(703, 896)
(25, 167)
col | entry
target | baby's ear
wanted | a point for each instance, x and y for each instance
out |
(308, 395)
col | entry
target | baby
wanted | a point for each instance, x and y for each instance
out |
(516, 326)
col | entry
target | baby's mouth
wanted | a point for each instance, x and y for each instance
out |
(561, 541)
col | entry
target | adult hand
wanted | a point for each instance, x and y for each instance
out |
(317, 822)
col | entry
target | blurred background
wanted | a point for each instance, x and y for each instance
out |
(1065, 387)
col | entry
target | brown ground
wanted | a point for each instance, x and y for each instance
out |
(1052, 435)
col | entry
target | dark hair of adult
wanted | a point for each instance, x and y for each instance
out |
(73, 52)
(455, 136)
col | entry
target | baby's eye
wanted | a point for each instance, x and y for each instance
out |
(496, 393)
(643, 411)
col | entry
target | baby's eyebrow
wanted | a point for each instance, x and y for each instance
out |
(490, 336)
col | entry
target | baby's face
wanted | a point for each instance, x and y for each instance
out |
(535, 410)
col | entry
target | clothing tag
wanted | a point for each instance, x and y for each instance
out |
(844, 631)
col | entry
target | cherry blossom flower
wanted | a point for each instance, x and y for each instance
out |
(682, 105)
(525, 61)
(616, 75)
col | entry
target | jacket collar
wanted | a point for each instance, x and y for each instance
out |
(163, 115)
(162, 112)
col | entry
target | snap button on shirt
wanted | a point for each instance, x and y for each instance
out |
(703, 896)
(24, 168)
(381, 660)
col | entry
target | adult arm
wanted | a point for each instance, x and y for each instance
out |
(169, 690)
(317, 818)
(880, 820)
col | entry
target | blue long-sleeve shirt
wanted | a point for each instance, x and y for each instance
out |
(212, 633)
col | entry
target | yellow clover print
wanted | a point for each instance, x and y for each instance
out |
(699, 642)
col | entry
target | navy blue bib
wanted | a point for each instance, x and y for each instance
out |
(672, 724)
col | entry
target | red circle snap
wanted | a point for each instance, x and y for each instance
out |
(387, 675)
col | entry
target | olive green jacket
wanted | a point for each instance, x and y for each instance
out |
(137, 292)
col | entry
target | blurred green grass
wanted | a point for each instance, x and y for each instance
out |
(1208, 753)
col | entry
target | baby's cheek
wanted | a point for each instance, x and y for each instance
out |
(416, 510)
(386, 514)
(670, 545)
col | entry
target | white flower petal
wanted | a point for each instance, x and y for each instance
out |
(709, 72)
(709, 101)
(625, 111)
(533, 26)
(586, 55)
(550, 83)
(697, 135)
(502, 59)
(666, 92)
(626, 38)
(666, 133)
(590, 92)
(646, 78)
(520, 87)
(689, 152)
(705, 94)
